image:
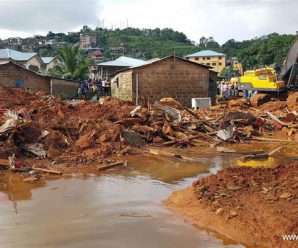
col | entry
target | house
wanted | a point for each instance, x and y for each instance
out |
(168, 77)
(49, 63)
(15, 75)
(118, 51)
(209, 58)
(30, 61)
(105, 69)
(88, 40)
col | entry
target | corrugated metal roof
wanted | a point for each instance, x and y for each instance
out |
(47, 60)
(15, 55)
(155, 61)
(124, 62)
(205, 53)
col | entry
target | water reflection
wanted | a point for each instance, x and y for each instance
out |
(121, 208)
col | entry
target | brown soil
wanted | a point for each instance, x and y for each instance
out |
(254, 206)
(84, 133)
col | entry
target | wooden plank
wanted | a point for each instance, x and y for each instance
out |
(4, 162)
(273, 140)
(173, 113)
(273, 117)
(133, 138)
(47, 171)
(157, 152)
(109, 166)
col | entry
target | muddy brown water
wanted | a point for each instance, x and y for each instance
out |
(120, 208)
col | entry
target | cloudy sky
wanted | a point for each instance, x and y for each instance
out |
(222, 19)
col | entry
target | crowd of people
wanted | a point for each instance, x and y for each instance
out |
(91, 87)
(230, 89)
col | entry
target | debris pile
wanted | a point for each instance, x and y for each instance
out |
(237, 194)
(79, 132)
(238, 201)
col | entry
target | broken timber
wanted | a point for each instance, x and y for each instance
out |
(109, 166)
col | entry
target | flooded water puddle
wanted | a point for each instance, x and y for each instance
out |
(121, 208)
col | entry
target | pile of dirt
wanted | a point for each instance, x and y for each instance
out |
(273, 106)
(292, 101)
(240, 201)
(13, 97)
(34, 124)
(259, 99)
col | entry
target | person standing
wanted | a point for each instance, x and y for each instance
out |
(225, 89)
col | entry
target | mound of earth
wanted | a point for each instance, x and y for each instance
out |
(254, 206)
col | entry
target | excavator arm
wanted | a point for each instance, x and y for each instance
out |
(289, 72)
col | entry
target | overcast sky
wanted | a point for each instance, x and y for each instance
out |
(222, 19)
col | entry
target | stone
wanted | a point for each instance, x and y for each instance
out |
(270, 197)
(292, 100)
(233, 214)
(234, 187)
(285, 195)
(259, 99)
(219, 211)
(265, 190)
(289, 117)
(31, 179)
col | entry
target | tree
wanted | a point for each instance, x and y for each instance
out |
(85, 28)
(51, 35)
(73, 66)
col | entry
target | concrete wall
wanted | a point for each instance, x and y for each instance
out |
(217, 62)
(51, 65)
(64, 88)
(171, 77)
(34, 61)
(123, 89)
(10, 73)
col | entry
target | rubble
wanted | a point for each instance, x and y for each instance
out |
(34, 126)
(292, 101)
(259, 199)
(259, 99)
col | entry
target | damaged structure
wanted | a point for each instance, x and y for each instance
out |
(168, 77)
(14, 75)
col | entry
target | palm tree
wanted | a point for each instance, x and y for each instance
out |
(73, 65)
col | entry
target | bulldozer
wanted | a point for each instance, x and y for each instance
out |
(267, 80)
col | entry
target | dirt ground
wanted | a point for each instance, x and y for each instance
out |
(254, 206)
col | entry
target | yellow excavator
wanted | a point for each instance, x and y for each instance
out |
(264, 80)
(267, 80)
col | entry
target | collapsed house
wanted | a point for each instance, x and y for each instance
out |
(16, 76)
(168, 77)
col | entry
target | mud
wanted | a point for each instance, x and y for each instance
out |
(254, 206)
(121, 208)
(81, 133)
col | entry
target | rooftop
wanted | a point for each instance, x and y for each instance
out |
(124, 62)
(15, 55)
(47, 60)
(205, 53)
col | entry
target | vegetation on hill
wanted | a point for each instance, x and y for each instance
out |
(73, 66)
(266, 50)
